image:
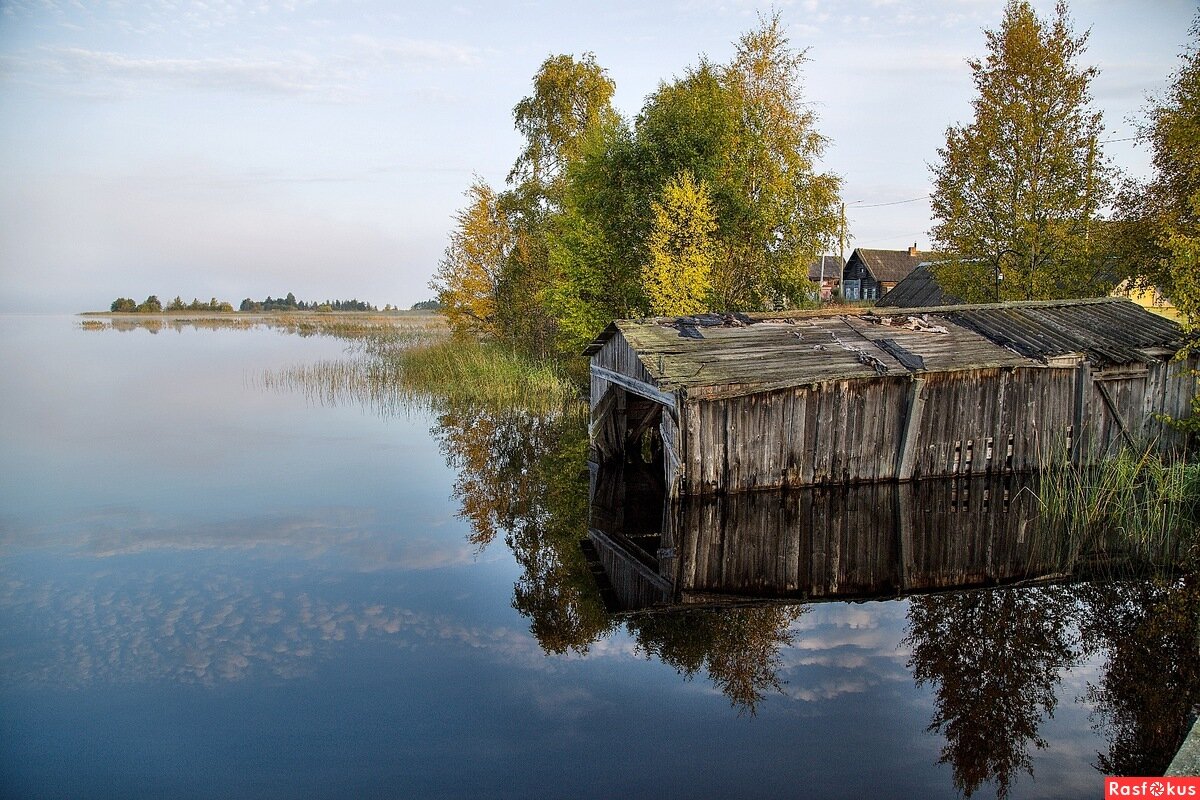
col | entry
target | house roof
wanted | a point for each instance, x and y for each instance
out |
(890, 266)
(833, 268)
(714, 355)
(920, 289)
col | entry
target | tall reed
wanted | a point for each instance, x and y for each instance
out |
(467, 371)
(398, 371)
(1135, 501)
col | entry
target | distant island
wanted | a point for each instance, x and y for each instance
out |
(152, 305)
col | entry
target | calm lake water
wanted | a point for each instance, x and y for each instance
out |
(209, 588)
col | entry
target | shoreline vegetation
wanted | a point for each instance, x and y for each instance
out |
(396, 358)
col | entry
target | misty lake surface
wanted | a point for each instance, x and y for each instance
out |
(213, 588)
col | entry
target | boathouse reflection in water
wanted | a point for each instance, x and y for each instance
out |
(1001, 604)
(833, 543)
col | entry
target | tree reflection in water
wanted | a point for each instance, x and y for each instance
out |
(994, 658)
(737, 647)
(1151, 679)
(524, 475)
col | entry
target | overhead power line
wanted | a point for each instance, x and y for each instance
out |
(892, 203)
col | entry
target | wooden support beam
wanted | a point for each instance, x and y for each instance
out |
(640, 388)
(602, 410)
(905, 509)
(1112, 407)
(907, 451)
(1083, 396)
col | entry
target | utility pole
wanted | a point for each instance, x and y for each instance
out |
(1087, 223)
(842, 237)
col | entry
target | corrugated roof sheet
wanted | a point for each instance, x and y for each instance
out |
(1108, 331)
(919, 290)
(758, 352)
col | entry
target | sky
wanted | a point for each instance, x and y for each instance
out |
(244, 149)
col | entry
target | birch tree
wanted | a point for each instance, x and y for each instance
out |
(1017, 190)
(468, 275)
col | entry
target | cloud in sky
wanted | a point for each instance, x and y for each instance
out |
(295, 74)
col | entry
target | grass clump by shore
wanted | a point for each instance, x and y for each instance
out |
(1136, 501)
(467, 371)
(398, 371)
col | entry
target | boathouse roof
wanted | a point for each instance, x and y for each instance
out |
(745, 353)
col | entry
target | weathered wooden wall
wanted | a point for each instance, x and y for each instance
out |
(946, 422)
(879, 429)
(836, 432)
(1125, 406)
(992, 421)
(942, 424)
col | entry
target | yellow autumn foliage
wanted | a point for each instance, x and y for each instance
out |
(677, 278)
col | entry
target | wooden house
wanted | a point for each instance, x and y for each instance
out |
(826, 272)
(764, 401)
(869, 274)
(1150, 298)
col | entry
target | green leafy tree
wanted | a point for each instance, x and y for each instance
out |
(1157, 222)
(596, 240)
(524, 318)
(1159, 219)
(1016, 191)
(791, 209)
(468, 274)
(743, 131)
(151, 305)
(584, 295)
(677, 278)
(569, 98)
(123, 305)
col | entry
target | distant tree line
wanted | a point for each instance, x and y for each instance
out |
(153, 305)
(196, 305)
(290, 303)
(427, 305)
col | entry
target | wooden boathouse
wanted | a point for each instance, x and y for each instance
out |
(771, 400)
